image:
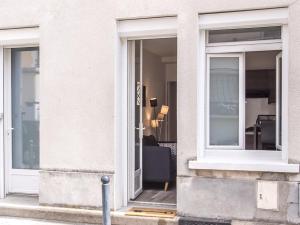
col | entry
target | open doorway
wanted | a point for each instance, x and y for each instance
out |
(152, 70)
(263, 100)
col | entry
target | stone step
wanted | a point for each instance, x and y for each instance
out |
(75, 215)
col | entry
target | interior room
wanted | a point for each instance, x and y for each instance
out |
(159, 69)
(261, 101)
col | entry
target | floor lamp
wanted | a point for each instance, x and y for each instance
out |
(161, 116)
(154, 122)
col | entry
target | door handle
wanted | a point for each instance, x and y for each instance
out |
(9, 130)
(137, 128)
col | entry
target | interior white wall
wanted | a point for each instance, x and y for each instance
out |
(154, 80)
(256, 106)
(156, 74)
(261, 60)
(171, 76)
(171, 71)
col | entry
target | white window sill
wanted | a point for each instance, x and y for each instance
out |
(267, 166)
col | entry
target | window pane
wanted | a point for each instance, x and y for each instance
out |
(246, 34)
(25, 108)
(224, 101)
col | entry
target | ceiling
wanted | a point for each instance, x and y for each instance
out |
(163, 47)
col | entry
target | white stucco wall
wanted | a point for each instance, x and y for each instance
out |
(78, 83)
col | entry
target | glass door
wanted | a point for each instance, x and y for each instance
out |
(22, 114)
(135, 118)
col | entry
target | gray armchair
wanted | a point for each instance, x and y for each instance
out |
(158, 165)
(266, 124)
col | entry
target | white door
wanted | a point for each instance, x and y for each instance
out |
(135, 74)
(278, 100)
(21, 129)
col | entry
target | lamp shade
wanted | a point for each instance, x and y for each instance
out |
(153, 102)
(164, 109)
(154, 123)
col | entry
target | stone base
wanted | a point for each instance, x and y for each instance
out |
(235, 200)
(79, 189)
(201, 221)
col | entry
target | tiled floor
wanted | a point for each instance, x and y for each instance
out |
(158, 195)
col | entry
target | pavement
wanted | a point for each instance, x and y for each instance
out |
(22, 221)
(25, 210)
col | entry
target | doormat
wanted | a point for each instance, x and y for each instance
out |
(151, 212)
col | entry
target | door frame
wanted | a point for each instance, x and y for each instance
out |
(11, 38)
(138, 33)
(132, 89)
(124, 176)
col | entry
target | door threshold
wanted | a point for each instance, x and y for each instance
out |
(151, 205)
(151, 212)
(19, 194)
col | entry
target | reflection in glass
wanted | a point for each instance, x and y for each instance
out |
(244, 34)
(25, 99)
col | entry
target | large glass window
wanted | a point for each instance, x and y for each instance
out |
(244, 100)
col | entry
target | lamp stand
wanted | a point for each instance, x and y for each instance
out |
(154, 113)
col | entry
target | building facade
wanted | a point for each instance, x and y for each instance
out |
(72, 113)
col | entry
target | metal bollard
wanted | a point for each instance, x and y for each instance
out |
(105, 201)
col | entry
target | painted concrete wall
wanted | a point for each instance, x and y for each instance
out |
(79, 111)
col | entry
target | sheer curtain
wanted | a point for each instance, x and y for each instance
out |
(224, 101)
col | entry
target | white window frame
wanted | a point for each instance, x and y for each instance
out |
(230, 159)
(241, 99)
